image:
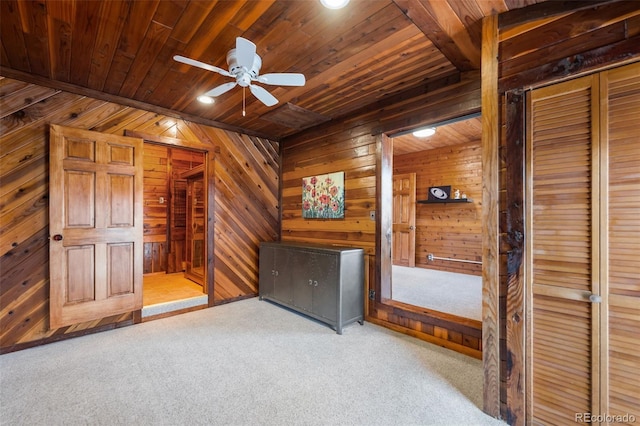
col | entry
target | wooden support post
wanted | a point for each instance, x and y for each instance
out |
(490, 216)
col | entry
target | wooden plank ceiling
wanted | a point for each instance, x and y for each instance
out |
(122, 51)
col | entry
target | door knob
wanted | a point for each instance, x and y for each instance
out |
(411, 228)
(594, 298)
(57, 237)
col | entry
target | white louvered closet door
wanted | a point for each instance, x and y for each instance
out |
(583, 184)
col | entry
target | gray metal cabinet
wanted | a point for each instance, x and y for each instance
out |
(323, 282)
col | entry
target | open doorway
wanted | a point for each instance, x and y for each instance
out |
(436, 217)
(174, 230)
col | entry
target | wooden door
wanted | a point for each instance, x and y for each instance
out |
(195, 240)
(404, 219)
(620, 242)
(584, 245)
(96, 225)
(564, 270)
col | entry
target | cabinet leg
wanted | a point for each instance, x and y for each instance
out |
(361, 322)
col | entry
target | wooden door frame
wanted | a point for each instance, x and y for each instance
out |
(209, 174)
(382, 282)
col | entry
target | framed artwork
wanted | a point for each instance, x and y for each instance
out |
(439, 193)
(323, 196)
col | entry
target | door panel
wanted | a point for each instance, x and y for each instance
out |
(584, 246)
(324, 271)
(195, 229)
(404, 219)
(621, 251)
(561, 250)
(96, 225)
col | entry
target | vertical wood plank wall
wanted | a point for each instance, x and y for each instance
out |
(447, 230)
(350, 145)
(537, 49)
(246, 182)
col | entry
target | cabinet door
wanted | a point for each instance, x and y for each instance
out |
(267, 271)
(324, 271)
(285, 262)
(303, 281)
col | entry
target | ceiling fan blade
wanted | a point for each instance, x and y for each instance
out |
(219, 90)
(261, 93)
(245, 52)
(202, 65)
(282, 79)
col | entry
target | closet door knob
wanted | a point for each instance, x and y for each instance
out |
(594, 298)
(57, 237)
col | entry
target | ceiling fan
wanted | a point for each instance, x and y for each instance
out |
(244, 66)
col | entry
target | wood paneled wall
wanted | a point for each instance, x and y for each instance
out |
(536, 48)
(447, 230)
(352, 145)
(246, 182)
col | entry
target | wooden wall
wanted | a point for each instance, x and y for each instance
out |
(353, 145)
(538, 46)
(246, 200)
(447, 230)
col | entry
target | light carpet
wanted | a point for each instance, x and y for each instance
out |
(244, 363)
(449, 292)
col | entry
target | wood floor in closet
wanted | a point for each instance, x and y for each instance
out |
(161, 288)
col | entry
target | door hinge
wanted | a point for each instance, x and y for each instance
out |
(372, 294)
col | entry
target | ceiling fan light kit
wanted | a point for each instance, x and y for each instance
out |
(244, 66)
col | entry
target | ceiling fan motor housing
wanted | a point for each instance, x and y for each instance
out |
(243, 75)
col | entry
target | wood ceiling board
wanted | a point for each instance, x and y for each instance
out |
(365, 54)
(457, 133)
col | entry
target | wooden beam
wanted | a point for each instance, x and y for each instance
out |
(490, 218)
(91, 93)
(460, 52)
(543, 10)
(513, 244)
(384, 183)
(571, 66)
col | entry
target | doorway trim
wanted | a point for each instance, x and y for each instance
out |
(209, 174)
(453, 332)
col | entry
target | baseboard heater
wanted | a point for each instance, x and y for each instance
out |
(431, 258)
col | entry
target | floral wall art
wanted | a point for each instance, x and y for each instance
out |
(323, 196)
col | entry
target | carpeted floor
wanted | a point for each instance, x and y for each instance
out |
(457, 294)
(244, 363)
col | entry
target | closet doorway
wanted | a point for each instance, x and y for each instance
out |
(174, 230)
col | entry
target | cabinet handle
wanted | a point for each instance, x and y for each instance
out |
(310, 282)
(315, 283)
(277, 273)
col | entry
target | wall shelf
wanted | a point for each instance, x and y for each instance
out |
(451, 201)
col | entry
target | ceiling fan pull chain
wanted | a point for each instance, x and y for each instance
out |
(244, 113)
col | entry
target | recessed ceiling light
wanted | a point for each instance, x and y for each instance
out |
(423, 133)
(205, 99)
(334, 4)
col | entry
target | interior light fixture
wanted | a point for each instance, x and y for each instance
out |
(423, 133)
(205, 99)
(334, 4)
